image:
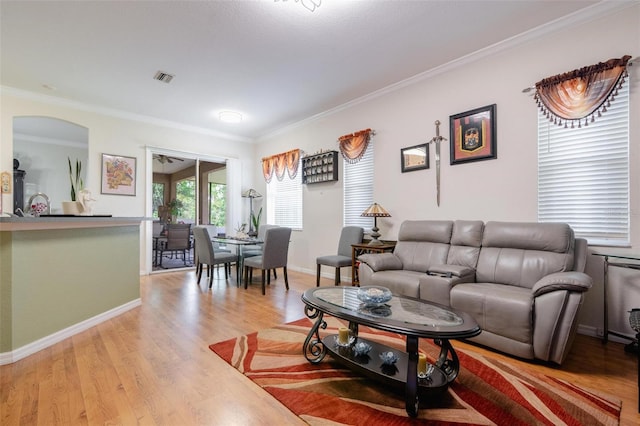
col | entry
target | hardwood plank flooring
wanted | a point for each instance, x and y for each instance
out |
(152, 365)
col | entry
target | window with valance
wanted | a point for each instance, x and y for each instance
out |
(353, 146)
(277, 164)
(583, 151)
(579, 96)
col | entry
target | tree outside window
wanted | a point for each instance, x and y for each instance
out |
(157, 197)
(217, 204)
(186, 196)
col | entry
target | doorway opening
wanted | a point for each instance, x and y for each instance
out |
(186, 189)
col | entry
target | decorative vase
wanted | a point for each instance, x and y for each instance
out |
(71, 207)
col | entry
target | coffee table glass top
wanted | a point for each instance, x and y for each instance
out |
(401, 309)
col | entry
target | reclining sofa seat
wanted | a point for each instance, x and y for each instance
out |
(421, 244)
(522, 282)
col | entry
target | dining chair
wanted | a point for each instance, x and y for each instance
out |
(206, 255)
(178, 240)
(274, 255)
(158, 228)
(217, 248)
(256, 249)
(349, 235)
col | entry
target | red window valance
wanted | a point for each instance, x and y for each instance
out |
(279, 163)
(354, 145)
(582, 93)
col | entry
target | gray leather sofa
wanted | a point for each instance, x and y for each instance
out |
(522, 282)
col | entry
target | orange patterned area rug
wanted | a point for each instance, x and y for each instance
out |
(486, 392)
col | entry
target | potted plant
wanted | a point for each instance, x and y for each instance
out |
(175, 208)
(255, 220)
(75, 178)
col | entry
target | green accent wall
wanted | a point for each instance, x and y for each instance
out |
(53, 279)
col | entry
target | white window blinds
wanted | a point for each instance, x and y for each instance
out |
(358, 190)
(284, 201)
(583, 174)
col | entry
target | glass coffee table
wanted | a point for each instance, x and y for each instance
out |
(411, 317)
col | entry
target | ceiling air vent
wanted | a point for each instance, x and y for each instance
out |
(163, 77)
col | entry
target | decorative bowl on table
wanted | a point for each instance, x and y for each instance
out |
(374, 295)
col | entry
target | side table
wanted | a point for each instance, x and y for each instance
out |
(358, 249)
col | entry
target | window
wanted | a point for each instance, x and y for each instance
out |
(217, 204)
(358, 190)
(157, 190)
(583, 174)
(186, 197)
(284, 201)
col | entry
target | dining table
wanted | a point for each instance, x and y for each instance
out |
(240, 243)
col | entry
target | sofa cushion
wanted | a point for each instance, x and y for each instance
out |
(422, 243)
(501, 309)
(466, 239)
(401, 282)
(435, 231)
(520, 254)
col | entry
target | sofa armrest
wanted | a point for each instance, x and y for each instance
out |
(573, 281)
(381, 261)
(449, 271)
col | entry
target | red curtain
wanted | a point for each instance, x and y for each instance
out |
(354, 146)
(582, 93)
(277, 164)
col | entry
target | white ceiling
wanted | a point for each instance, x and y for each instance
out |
(274, 61)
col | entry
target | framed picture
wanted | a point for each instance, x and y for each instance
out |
(118, 175)
(473, 135)
(414, 157)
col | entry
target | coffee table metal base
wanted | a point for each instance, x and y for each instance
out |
(403, 373)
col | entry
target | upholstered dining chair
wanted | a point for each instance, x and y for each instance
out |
(178, 241)
(256, 249)
(274, 255)
(349, 235)
(217, 248)
(206, 255)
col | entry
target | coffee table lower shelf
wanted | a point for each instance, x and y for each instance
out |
(371, 365)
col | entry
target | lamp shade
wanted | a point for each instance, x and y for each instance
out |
(375, 210)
(251, 193)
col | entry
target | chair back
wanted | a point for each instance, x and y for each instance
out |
(349, 235)
(262, 230)
(157, 228)
(204, 248)
(276, 247)
(178, 236)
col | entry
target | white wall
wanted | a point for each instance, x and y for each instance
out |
(501, 189)
(115, 135)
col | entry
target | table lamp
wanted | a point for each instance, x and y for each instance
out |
(375, 211)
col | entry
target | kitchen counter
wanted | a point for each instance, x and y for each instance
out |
(62, 275)
(64, 222)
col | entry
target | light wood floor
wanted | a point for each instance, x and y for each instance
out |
(152, 365)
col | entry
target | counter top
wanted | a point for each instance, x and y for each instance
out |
(65, 222)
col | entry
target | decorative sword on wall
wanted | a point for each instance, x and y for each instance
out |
(436, 140)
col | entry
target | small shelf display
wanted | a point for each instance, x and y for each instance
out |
(322, 167)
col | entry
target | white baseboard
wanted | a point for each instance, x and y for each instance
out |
(52, 339)
(588, 330)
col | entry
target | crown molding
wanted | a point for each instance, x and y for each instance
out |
(111, 112)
